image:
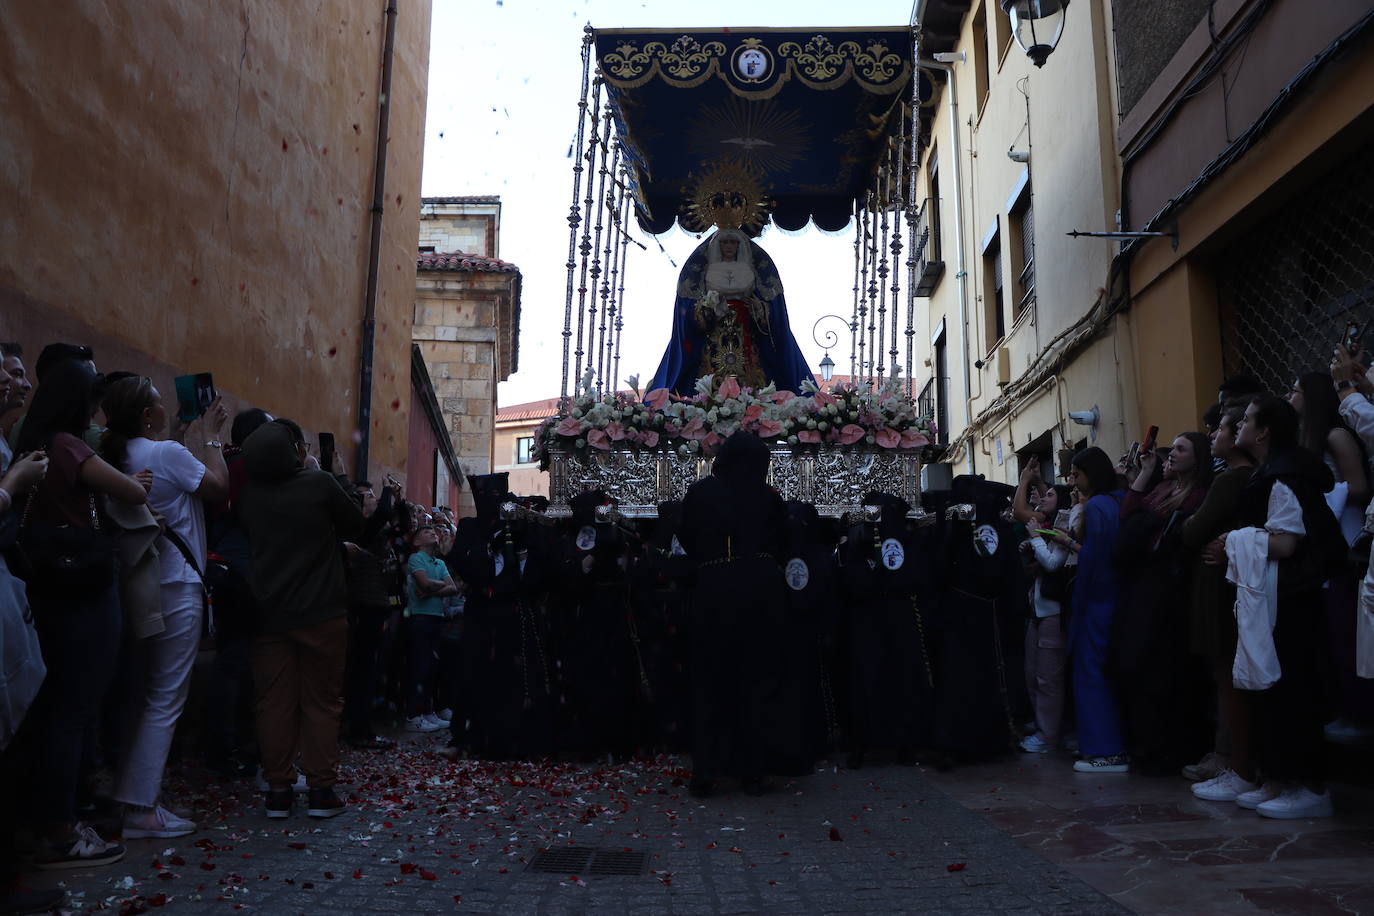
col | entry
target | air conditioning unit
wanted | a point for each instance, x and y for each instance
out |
(1003, 366)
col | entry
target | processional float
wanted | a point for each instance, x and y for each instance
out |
(729, 130)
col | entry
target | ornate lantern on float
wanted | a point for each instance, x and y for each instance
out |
(1037, 26)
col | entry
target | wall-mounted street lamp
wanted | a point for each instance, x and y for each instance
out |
(1037, 25)
(831, 339)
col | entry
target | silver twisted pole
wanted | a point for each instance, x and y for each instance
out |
(584, 247)
(574, 212)
(912, 208)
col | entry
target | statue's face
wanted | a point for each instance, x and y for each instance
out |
(729, 249)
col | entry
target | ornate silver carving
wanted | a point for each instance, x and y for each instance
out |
(833, 478)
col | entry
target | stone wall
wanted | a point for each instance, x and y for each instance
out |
(186, 187)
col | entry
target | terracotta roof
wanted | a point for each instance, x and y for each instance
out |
(533, 410)
(461, 261)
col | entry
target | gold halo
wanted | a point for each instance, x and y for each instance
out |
(729, 195)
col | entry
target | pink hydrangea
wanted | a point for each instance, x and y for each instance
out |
(615, 431)
(824, 397)
(728, 388)
(648, 438)
(658, 398)
(711, 443)
(782, 397)
(810, 436)
(597, 438)
(768, 428)
(695, 430)
(571, 426)
(753, 412)
(887, 437)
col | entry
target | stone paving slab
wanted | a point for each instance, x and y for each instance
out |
(424, 835)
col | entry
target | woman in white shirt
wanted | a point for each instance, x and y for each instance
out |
(161, 663)
(1045, 651)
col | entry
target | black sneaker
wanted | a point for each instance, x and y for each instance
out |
(84, 850)
(324, 803)
(279, 802)
(41, 900)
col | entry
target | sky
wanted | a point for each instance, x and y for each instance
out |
(504, 82)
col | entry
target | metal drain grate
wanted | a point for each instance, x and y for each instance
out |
(573, 860)
(618, 862)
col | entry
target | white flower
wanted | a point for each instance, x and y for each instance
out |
(581, 443)
(632, 383)
(792, 440)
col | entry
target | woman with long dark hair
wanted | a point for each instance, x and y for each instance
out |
(1095, 594)
(1323, 432)
(1150, 632)
(136, 422)
(78, 614)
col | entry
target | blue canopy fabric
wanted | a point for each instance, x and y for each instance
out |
(809, 111)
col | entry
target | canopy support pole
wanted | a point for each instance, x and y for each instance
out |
(574, 213)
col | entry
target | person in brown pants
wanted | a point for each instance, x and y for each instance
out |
(296, 519)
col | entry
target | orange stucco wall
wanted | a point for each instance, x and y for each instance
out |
(185, 186)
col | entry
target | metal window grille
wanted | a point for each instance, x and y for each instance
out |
(1288, 287)
(1026, 219)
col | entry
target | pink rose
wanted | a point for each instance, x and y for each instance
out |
(615, 431)
(648, 438)
(887, 437)
(753, 412)
(728, 388)
(824, 397)
(810, 436)
(769, 428)
(695, 430)
(782, 397)
(912, 438)
(597, 438)
(658, 398)
(851, 433)
(571, 426)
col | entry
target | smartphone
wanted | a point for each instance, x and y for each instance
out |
(327, 452)
(195, 394)
(1149, 444)
(1133, 456)
(1351, 340)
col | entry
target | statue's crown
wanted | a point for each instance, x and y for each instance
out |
(728, 195)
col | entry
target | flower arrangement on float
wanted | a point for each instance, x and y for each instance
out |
(849, 415)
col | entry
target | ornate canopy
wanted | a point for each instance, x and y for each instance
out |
(809, 112)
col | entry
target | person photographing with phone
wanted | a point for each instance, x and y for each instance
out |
(1044, 645)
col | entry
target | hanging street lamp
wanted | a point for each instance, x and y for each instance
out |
(827, 365)
(1037, 25)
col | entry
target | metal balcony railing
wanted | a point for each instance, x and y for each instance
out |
(928, 270)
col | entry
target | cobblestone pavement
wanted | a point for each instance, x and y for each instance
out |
(423, 835)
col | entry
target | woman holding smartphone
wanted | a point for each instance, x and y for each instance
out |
(1044, 663)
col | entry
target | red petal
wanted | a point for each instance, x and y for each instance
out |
(835, 834)
(957, 866)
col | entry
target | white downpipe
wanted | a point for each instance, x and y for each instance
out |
(942, 63)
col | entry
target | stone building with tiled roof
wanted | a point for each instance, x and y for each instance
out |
(467, 321)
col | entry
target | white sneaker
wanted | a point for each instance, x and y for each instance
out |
(1209, 767)
(155, 822)
(445, 714)
(1116, 763)
(439, 721)
(423, 724)
(1297, 803)
(1347, 731)
(1223, 788)
(1034, 744)
(299, 785)
(1256, 797)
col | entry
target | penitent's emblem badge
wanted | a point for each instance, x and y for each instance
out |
(753, 64)
(586, 537)
(797, 574)
(894, 554)
(676, 548)
(985, 540)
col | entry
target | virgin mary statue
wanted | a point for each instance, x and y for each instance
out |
(730, 319)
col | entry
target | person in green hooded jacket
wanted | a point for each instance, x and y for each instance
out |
(296, 519)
